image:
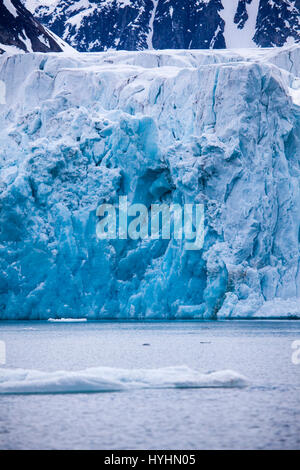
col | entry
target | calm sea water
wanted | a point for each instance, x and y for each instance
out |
(265, 415)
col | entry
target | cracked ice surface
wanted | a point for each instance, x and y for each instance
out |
(214, 127)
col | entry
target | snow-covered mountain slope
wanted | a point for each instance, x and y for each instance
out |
(214, 127)
(20, 32)
(170, 24)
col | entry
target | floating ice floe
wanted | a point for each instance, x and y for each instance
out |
(67, 320)
(106, 379)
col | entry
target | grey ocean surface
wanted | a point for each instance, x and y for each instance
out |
(265, 415)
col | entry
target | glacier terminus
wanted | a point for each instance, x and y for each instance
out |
(219, 128)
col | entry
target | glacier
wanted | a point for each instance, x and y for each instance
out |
(219, 128)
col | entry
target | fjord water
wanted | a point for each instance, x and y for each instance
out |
(264, 415)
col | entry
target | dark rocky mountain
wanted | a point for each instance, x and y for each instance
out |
(99, 25)
(20, 31)
(277, 22)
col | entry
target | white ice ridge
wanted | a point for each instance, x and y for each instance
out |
(67, 320)
(218, 128)
(106, 379)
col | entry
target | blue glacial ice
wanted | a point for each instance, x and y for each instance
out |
(219, 128)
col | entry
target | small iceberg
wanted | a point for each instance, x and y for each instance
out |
(107, 379)
(67, 320)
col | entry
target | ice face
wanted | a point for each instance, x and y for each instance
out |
(214, 128)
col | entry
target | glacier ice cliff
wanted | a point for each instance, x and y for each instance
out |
(220, 128)
(108, 379)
